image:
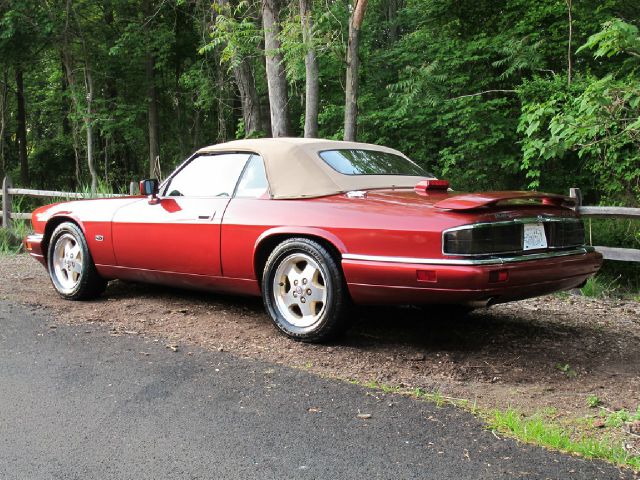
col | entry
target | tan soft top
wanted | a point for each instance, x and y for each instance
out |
(295, 169)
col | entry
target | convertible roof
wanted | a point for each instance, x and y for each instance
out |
(295, 169)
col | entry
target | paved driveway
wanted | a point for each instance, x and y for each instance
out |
(79, 403)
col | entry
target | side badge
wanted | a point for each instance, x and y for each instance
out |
(99, 238)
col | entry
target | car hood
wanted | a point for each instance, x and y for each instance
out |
(93, 210)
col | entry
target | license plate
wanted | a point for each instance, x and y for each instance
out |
(534, 237)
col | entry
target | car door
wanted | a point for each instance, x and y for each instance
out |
(180, 233)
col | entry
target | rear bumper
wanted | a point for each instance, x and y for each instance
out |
(33, 245)
(389, 282)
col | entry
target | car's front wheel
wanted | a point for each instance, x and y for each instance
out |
(71, 267)
(304, 291)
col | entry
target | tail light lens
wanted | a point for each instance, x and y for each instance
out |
(507, 237)
(484, 240)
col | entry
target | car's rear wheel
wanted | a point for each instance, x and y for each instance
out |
(304, 291)
(71, 267)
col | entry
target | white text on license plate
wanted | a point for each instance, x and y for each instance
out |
(534, 236)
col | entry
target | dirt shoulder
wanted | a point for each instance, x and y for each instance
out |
(548, 354)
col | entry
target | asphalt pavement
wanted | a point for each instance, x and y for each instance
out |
(78, 402)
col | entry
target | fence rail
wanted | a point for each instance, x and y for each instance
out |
(8, 191)
(609, 253)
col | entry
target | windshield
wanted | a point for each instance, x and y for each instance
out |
(371, 162)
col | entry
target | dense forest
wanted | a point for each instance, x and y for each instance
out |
(489, 94)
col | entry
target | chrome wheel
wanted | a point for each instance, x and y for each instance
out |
(67, 262)
(300, 290)
(70, 265)
(304, 291)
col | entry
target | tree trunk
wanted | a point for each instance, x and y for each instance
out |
(4, 91)
(196, 128)
(276, 77)
(179, 29)
(154, 122)
(393, 20)
(152, 96)
(312, 86)
(249, 99)
(66, 108)
(351, 93)
(88, 123)
(21, 131)
(67, 62)
(223, 135)
(569, 62)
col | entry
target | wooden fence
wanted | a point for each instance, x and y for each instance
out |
(609, 253)
(8, 191)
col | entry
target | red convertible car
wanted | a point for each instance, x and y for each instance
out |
(313, 226)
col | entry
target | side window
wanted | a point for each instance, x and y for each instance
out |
(208, 176)
(253, 183)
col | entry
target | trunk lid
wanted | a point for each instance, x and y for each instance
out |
(472, 201)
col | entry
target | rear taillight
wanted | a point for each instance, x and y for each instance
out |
(508, 237)
(483, 240)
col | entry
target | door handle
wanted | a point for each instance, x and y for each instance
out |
(207, 217)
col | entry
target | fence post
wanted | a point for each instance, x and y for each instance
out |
(133, 187)
(6, 202)
(577, 194)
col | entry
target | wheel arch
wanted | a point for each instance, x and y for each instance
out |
(50, 227)
(272, 238)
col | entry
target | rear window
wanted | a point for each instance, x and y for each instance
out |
(371, 162)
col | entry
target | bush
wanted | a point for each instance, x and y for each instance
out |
(10, 243)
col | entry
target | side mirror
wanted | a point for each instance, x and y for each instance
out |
(149, 187)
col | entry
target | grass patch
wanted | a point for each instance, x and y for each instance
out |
(618, 279)
(11, 240)
(102, 188)
(601, 286)
(537, 430)
(567, 370)
(618, 418)
(593, 401)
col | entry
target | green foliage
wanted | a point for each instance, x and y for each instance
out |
(10, 242)
(619, 418)
(616, 37)
(536, 429)
(235, 33)
(594, 123)
(11, 239)
(567, 370)
(593, 401)
(476, 91)
(614, 278)
(600, 286)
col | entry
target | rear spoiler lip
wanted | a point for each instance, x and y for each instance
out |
(471, 201)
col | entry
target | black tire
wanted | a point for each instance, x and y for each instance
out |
(71, 266)
(324, 286)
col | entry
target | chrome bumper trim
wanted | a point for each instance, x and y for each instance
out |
(480, 261)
